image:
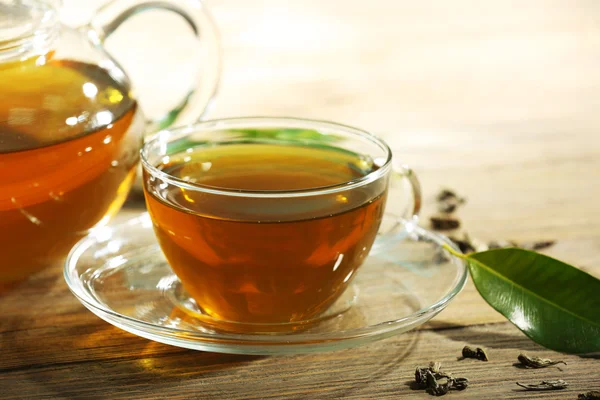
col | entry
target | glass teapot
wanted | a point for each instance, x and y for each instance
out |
(70, 126)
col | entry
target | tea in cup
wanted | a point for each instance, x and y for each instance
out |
(267, 220)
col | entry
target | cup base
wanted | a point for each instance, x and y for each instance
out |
(175, 293)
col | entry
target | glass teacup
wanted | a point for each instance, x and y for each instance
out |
(267, 220)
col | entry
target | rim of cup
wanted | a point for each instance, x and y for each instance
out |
(162, 138)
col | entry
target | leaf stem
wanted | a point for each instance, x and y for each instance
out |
(454, 252)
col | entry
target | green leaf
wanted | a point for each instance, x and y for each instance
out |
(554, 303)
(288, 134)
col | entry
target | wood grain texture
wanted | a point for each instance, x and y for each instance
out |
(498, 100)
(62, 351)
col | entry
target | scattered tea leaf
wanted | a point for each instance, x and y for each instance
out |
(459, 383)
(421, 377)
(477, 353)
(593, 395)
(536, 245)
(546, 385)
(435, 366)
(553, 303)
(463, 244)
(503, 244)
(446, 194)
(434, 387)
(448, 201)
(444, 223)
(468, 244)
(437, 382)
(472, 244)
(537, 362)
(481, 354)
(421, 373)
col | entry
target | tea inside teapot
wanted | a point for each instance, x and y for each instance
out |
(68, 151)
(70, 132)
(45, 101)
(70, 127)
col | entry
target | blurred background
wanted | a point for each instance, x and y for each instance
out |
(498, 99)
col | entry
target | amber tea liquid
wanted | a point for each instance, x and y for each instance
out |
(69, 137)
(258, 260)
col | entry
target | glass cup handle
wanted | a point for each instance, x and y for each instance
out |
(403, 172)
(199, 96)
(401, 223)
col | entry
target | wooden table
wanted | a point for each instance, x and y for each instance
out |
(499, 100)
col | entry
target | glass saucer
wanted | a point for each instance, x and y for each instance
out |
(120, 274)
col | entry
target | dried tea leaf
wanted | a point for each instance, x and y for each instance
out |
(593, 395)
(503, 244)
(446, 194)
(440, 389)
(437, 382)
(444, 223)
(421, 377)
(434, 387)
(468, 244)
(435, 366)
(546, 385)
(468, 352)
(536, 245)
(430, 380)
(448, 201)
(481, 354)
(477, 353)
(463, 244)
(537, 362)
(458, 383)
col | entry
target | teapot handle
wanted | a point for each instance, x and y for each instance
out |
(199, 97)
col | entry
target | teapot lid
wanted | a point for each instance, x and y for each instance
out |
(27, 27)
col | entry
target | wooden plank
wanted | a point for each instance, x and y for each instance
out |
(63, 351)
